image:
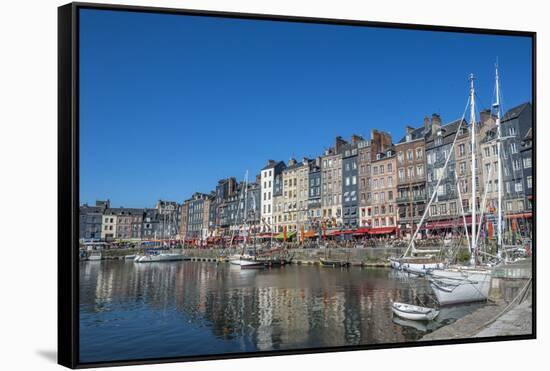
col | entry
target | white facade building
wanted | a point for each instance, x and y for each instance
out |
(267, 183)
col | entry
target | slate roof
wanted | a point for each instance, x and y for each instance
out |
(415, 134)
(515, 112)
(272, 164)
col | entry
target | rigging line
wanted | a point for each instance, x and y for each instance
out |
(483, 205)
(411, 243)
(463, 214)
(521, 293)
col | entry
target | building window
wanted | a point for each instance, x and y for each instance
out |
(452, 208)
(519, 187)
(516, 165)
(527, 162)
(529, 182)
(461, 150)
(419, 153)
(420, 171)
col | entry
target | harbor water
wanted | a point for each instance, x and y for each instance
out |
(131, 311)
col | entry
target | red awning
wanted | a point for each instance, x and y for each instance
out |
(450, 223)
(519, 216)
(333, 233)
(361, 231)
(382, 230)
(266, 235)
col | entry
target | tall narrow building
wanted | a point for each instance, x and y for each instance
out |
(267, 178)
(411, 180)
(350, 187)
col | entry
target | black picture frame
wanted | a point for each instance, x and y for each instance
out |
(68, 180)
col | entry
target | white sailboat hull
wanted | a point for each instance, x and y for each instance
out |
(418, 268)
(458, 286)
(248, 263)
(158, 258)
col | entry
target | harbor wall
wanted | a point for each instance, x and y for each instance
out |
(356, 255)
(307, 255)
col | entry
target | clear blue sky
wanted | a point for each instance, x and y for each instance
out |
(169, 104)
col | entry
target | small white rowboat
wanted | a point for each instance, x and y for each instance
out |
(414, 312)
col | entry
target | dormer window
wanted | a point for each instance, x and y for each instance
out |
(408, 138)
(378, 156)
(388, 153)
(438, 141)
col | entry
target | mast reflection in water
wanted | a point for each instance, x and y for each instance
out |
(137, 311)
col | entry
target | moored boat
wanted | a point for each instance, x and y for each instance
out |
(414, 312)
(156, 256)
(417, 265)
(95, 256)
(333, 263)
(465, 285)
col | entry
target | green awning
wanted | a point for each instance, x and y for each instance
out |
(289, 235)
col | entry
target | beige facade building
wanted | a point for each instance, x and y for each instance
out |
(294, 200)
(108, 226)
(331, 189)
(381, 215)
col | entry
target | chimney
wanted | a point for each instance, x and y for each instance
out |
(427, 125)
(356, 138)
(292, 161)
(270, 162)
(305, 160)
(485, 115)
(436, 123)
(339, 142)
(318, 161)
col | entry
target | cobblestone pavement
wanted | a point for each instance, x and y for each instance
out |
(517, 321)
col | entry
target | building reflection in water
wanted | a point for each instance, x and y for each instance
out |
(192, 303)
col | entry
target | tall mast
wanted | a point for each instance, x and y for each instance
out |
(496, 106)
(245, 206)
(473, 148)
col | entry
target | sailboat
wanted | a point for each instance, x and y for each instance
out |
(468, 284)
(247, 259)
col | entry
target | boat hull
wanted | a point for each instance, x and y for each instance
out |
(416, 267)
(333, 263)
(249, 264)
(413, 312)
(456, 287)
(158, 258)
